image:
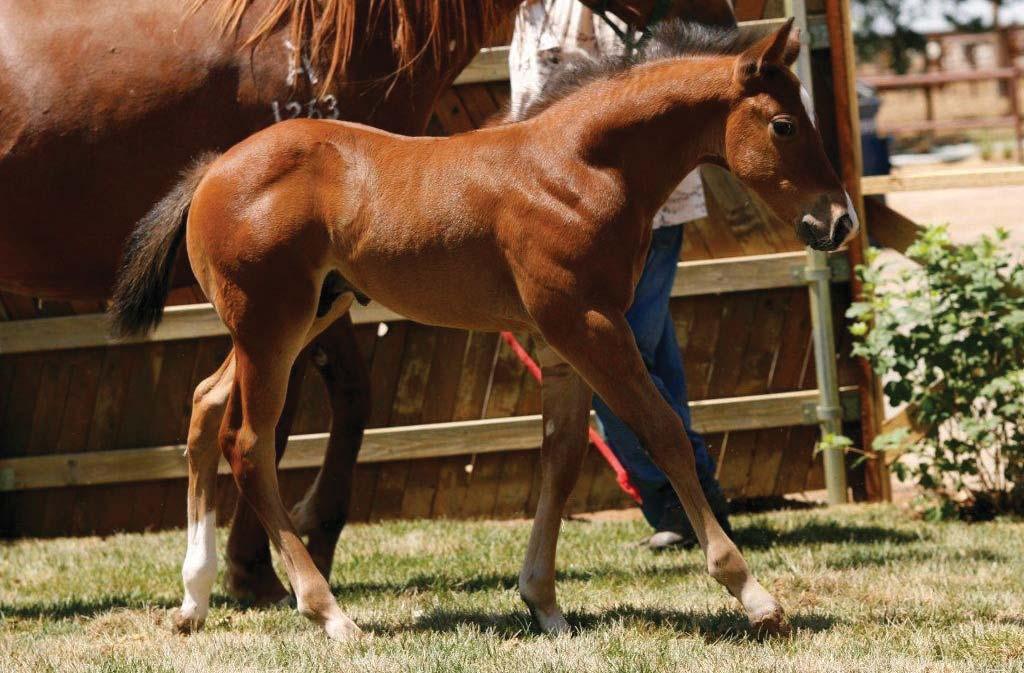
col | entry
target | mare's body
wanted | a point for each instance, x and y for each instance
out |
(103, 103)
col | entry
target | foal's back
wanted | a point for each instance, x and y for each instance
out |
(430, 227)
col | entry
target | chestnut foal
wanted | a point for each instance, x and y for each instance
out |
(540, 225)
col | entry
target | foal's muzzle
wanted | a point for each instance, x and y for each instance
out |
(828, 225)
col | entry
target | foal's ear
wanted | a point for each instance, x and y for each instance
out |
(778, 50)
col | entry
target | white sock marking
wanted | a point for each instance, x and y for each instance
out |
(199, 570)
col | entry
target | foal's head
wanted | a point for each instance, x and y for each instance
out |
(772, 146)
(769, 143)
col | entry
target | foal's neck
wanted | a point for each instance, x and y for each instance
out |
(655, 123)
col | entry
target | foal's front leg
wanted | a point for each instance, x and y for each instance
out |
(600, 346)
(566, 403)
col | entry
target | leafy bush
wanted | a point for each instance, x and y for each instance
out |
(947, 337)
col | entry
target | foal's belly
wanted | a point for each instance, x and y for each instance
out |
(466, 286)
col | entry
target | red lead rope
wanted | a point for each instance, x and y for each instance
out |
(621, 475)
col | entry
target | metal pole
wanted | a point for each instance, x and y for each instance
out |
(798, 10)
(818, 274)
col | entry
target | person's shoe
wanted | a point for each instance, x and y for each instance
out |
(673, 531)
(669, 539)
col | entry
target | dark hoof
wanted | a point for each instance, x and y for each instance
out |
(257, 584)
(770, 624)
(184, 626)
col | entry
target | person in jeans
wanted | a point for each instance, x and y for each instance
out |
(547, 33)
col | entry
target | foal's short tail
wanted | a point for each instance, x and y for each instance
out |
(144, 278)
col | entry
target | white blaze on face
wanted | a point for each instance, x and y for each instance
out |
(805, 98)
(199, 570)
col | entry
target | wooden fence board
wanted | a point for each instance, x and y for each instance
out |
(968, 178)
(513, 491)
(482, 485)
(761, 353)
(385, 372)
(384, 444)
(735, 272)
(77, 413)
(580, 495)
(416, 493)
(478, 103)
(15, 433)
(699, 343)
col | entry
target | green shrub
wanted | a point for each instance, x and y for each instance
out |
(947, 337)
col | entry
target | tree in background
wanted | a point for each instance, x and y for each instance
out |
(884, 27)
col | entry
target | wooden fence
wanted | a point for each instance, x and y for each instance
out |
(91, 430)
(931, 80)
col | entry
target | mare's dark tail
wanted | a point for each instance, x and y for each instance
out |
(144, 278)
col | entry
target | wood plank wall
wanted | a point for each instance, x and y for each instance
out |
(139, 395)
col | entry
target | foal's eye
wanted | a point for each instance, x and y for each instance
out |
(783, 127)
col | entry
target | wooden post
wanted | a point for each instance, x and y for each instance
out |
(1018, 126)
(931, 64)
(823, 334)
(837, 14)
(749, 10)
(1008, 52)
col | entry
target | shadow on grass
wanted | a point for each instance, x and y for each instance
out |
(868, 557)
(759, 536)
(721, 625)
(505, 582)
(65, 608)
(749, 537)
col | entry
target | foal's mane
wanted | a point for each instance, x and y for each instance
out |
(328, 31)
(669, 39)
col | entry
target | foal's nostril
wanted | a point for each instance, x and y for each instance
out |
(808, 229)
(842, 229)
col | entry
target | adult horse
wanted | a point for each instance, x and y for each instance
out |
(541, 225)
(103, 103)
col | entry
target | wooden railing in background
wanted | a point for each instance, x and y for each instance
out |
(930, 80)
(717, 276)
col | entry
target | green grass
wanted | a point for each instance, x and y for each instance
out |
(867, 590)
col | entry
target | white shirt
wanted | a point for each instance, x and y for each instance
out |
(545, 30)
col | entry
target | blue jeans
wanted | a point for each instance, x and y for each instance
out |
(655, 334)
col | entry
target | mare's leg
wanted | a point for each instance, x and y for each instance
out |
(251, 574)
(601, 347)
(566, 403)
(323, 511)
(200, 567)
(266, 345)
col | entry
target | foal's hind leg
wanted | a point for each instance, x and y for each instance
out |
(566, 401)
(265, 348)
(250, 572)
(601, 347)
(200, 567)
